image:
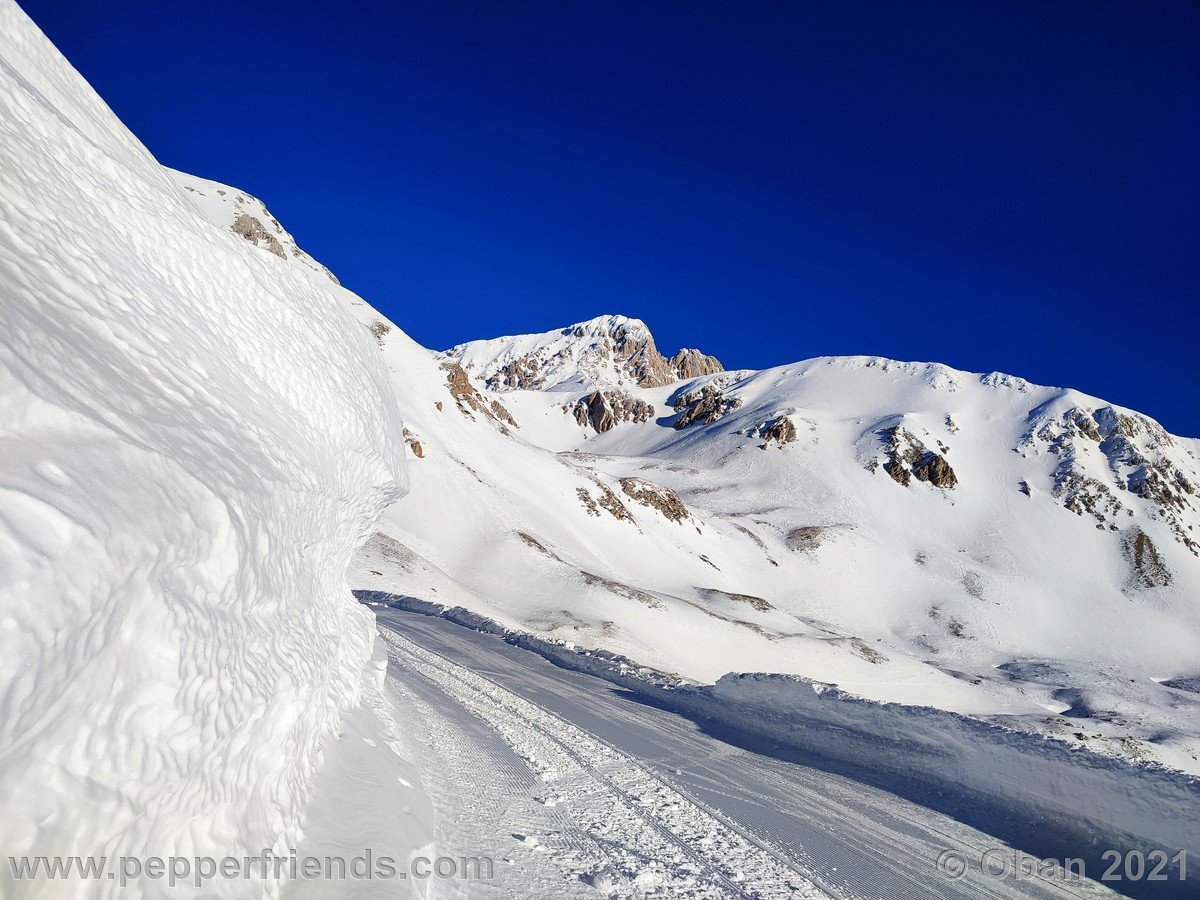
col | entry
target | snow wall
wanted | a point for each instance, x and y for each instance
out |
(195, 437)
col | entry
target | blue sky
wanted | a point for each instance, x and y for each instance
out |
(1007, 185)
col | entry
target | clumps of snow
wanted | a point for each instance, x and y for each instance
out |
(636, 835)
(936, 375)
(991, 773)
(196, 439)
(1001, 380)
(1048, 780)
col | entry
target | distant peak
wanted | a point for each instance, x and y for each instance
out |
(610, 324)
(608, 350)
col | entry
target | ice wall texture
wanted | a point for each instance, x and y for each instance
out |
(194, 438)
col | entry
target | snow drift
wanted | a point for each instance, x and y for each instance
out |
(196, 438)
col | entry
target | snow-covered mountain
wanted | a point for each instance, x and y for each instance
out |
(607, 351)
(911, 532)
(201, 427)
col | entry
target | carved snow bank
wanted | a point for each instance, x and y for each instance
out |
(196, 438)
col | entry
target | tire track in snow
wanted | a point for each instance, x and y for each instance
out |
(646, 836)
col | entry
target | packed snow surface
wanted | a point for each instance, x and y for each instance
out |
(196, 438)
(571, 786)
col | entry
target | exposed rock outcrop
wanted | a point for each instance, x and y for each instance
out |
(780, 430)
(522, 374)
(470, 400)
(1148, 568)
(1105, 451)
(933, 468)
(688, 364)
(379, 330)
(604, 410)
(706, 404)
(608, 501)
(253, 230)
(655, 496)
(413, 444)
(714, 594)
(907, 457)
(621, 589)
(807, 537)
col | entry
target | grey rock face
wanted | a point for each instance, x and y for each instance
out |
(692, 364)
(255, 232)
(604, 410)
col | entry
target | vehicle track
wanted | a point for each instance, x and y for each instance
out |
(649, 837)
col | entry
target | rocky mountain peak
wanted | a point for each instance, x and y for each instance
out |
(607, 351)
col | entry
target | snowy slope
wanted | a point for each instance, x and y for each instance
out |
(201, 426)
(912, 533)
(196, 437)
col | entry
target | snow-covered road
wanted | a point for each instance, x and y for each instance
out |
(572, 785)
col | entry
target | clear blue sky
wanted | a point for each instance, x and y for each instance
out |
(1003, 185)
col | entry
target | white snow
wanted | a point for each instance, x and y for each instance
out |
(806, 558)
(200, 427)
(196, 438)
(591, 767)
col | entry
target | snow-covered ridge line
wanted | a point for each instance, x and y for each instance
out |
(981, 772)
(196, 438)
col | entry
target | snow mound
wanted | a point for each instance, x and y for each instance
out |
(196, 438)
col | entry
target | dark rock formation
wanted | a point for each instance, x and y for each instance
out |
(934, 469)
(807, 537)
(705, 404)
(1141, 457)
(470, 401)
(604, 410)
(908, 457)
(520, 374)
(413, 444)
(781, 430)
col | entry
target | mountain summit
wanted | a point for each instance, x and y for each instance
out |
(607, 351)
